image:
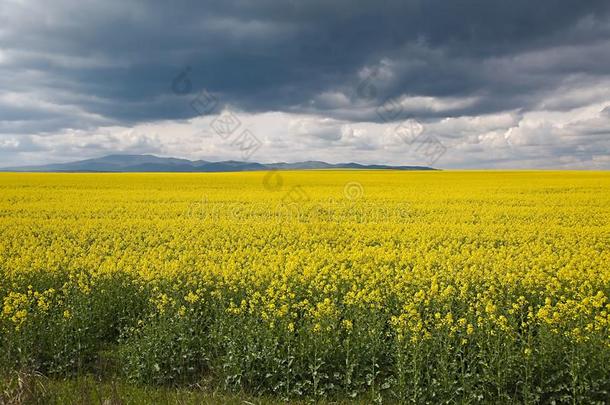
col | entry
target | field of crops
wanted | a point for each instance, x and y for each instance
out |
(395, 286)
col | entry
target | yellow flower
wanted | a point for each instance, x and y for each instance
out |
(191, 297)
(182, 311)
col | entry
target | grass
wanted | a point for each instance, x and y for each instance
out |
(30, 388)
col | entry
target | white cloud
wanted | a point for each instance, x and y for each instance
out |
(332, 100)
(508, 140)
(435, 104)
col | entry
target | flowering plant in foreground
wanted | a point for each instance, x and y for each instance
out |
(435, 286)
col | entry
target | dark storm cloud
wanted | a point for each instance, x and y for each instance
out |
(83, 63)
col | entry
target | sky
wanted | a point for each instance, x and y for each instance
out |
(451, 84)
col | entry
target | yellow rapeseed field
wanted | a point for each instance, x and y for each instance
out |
(421, 287)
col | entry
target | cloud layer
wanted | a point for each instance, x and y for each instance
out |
(497, 84)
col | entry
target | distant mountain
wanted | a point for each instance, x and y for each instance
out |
(150, 163)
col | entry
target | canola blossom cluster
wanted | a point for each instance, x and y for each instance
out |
(426, 287)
